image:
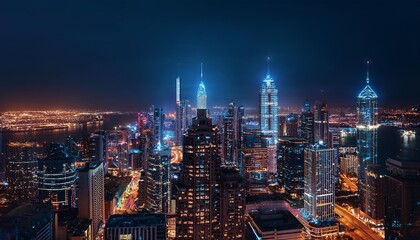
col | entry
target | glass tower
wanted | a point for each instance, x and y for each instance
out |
(269, 109)
(201, 93)
(367, 136)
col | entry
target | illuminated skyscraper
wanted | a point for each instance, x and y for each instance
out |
(201, 93)
(367, 136)
(319, 191)
(321, 122)
(158, 121)
(197, 206)
(268, 107)
(157, 180)
(91, 195)
(306, 123)
(183, 114)
(57, 178)
(232, 131)
(179, 128)
(21, 170)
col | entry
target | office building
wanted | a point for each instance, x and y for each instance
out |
(197, 206)
(268, 109)
(158, 121)
(97, 148)
(290, 157)
(21, 162)
(367, 137)
(292, 122)
(157, 179)
(232, 134)
(273, 224)
(375, 187)
(402, 208)
(306, 123)
(232, 204)
(255, 161)
(91, 195)
(319, 192)
(27, 221)
(145, 226)
(57, 178)
(321, 122)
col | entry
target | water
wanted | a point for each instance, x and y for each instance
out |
(59, 135)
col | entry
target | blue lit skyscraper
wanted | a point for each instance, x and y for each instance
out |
(269, 109)
(201, 93)
(367, 136)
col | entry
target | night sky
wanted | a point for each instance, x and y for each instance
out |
(125, 55)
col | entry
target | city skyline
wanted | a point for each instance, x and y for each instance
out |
(118, 48)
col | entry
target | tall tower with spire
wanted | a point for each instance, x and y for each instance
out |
(268, 108)
(201, 93)
(367, 136)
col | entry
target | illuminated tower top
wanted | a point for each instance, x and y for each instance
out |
(367, 92)
(201, 93)
(178, 90)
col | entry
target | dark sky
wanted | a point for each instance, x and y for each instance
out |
(126, 54)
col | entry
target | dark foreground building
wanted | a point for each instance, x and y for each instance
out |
(27, 221)
(145, 226)
(402, 203)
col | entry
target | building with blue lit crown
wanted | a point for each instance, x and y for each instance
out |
(367, 137)
(268, 106)
(201, 93)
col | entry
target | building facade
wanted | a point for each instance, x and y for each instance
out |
(367, 137)
(91, 195)
(319, 192)
(21, 162)
(268, 109)
(198, 210)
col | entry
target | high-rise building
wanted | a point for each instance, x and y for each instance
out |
(375, 184)
(319, 191)
(27, 221)
(57, 178)
(290, 156)
(158, 181)
(158, 121)
(91, 195)
(201, 93)
(321, 122)
(197, 207)
(179, 127)
(183, 114)
(367, 137)
(306, 123)
(232, 204)
(97, 148)
(255, 160)
(232, 124)
(268, 109)
(21, 170)
(145, 226)
(402, 208)
(292, 122)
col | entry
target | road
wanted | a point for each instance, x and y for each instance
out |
(349, 183)
(128, 203)
(351, 222)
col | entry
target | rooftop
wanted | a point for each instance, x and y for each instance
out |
(136, 220)
(268, 219)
